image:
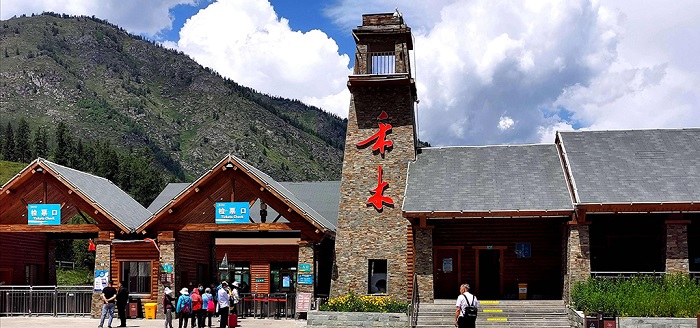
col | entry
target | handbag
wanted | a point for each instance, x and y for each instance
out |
(210, 306)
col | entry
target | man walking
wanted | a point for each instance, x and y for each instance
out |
(122, 300)
(467, 307)
(109, 294)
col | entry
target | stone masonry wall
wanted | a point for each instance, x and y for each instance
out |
(356, 319)
(365, 233)
(424, 264)
(677, 247)
(167, 256)
(578, 257)
(306, 255)
(103, 250)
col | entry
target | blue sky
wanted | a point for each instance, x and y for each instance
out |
(487, 71)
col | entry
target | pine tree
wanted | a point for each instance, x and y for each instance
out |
(60, 155)
(40, 143)
(8, 149)
(23, 152)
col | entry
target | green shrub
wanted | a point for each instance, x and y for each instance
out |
(368, 303)
(673, 295)
(73, 277)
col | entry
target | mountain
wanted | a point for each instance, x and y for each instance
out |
(108, 85)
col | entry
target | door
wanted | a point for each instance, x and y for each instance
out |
(489, 279)
(446, 271)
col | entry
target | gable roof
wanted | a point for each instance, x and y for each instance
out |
(306, 211)
(633, 166)
(460, 180)
(116, 204)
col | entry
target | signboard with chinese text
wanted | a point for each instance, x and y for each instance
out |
(232, 212)
(44, 214)
(303, 302)
(305, 279)
(101, 278)
(304, 267)
(259, 279)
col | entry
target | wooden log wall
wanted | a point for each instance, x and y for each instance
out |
(192, 248)
(260, 258)
(136, 251)
(20, 249)
(542, 271)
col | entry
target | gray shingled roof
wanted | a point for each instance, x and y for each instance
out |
(491, 178)
(634, 166)
(322, 196)
(104, 194)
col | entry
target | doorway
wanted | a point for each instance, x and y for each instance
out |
(446, 268)
(489, 272)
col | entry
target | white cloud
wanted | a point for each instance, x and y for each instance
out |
(136, 16)
(246, 41)
(505, 123)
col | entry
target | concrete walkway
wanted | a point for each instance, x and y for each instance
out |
(83, 322)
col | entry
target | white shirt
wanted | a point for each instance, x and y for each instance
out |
(222, 297)
(462, 303)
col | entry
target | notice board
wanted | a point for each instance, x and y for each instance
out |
(304, 302)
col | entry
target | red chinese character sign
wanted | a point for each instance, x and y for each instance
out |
(381, 144)
(378, 199)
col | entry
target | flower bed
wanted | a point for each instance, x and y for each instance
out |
(367, 303)
(361, 311)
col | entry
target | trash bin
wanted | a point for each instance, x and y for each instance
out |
(150, 309)
(134, 306)
(592, 322)
(522, 291)
(609, 322)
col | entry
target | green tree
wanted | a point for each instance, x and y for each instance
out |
(40, 143)
(60, 154)
(8, 149)
(23, 152)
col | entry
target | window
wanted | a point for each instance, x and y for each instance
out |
(240, 271)
(376, 277)
(31, 274)
(137, 275)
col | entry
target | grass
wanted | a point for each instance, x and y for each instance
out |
(8, 170)
(73, 277)
(673, 295)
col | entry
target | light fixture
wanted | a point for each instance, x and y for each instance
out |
(263, 211)
(229, 165)
(39, 169)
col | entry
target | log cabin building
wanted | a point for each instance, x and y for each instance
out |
(403, 219)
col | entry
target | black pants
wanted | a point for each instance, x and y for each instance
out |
(182, 318)
(223, 312)
(466, 322)
(121, 309)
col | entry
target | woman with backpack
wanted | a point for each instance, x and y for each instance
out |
(184, 307)
(467, 308)
(197, 312)
(168, 307)
(208, 305)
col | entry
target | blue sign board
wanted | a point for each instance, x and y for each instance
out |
(305, 279)
(232, 212)
(44, 214)
(304, 267)
(523, 250)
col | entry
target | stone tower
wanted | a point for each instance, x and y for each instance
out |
(373, 237)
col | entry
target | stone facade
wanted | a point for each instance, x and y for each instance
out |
(578, 257)
(306, 255)
(677, 246)
(166, 244)
(424, 264)
(103, 250)
(356, 319)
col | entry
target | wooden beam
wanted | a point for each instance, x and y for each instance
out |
(230, 227)
(637, 208)
(458, 214)
(49, 228)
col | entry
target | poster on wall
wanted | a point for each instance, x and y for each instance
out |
(286, 282)
(44, 214)
(101, 279)
(447, 265)
(232, 212)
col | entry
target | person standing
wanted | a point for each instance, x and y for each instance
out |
(122, 300)
(208, 305)
(235, 297)
(223, 298)
(109, 294)
(168, 307)
(184, 307)
(467, 304)
(196, 308)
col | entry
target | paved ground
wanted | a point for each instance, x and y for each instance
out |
(80, 322)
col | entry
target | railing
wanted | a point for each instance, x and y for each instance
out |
(267, 305)
(695, 275)
(45, 300)
(376, 63)
(415, 304)
(65, 265)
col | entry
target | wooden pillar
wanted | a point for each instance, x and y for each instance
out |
(578, 255)
(103, 261)
(677, 245)
(306, 256)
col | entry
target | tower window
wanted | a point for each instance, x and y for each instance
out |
(383, 62)
(376, 277)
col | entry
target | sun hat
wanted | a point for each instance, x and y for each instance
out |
(224, 283)
(236, 284)
(183, 291)
(167, 291)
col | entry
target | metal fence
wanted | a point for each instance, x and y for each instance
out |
(45, 300)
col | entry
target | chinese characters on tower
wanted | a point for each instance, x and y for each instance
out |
(380, 144)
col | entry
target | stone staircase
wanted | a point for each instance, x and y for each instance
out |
(511, 313)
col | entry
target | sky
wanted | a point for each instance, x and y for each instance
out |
(487, 71)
